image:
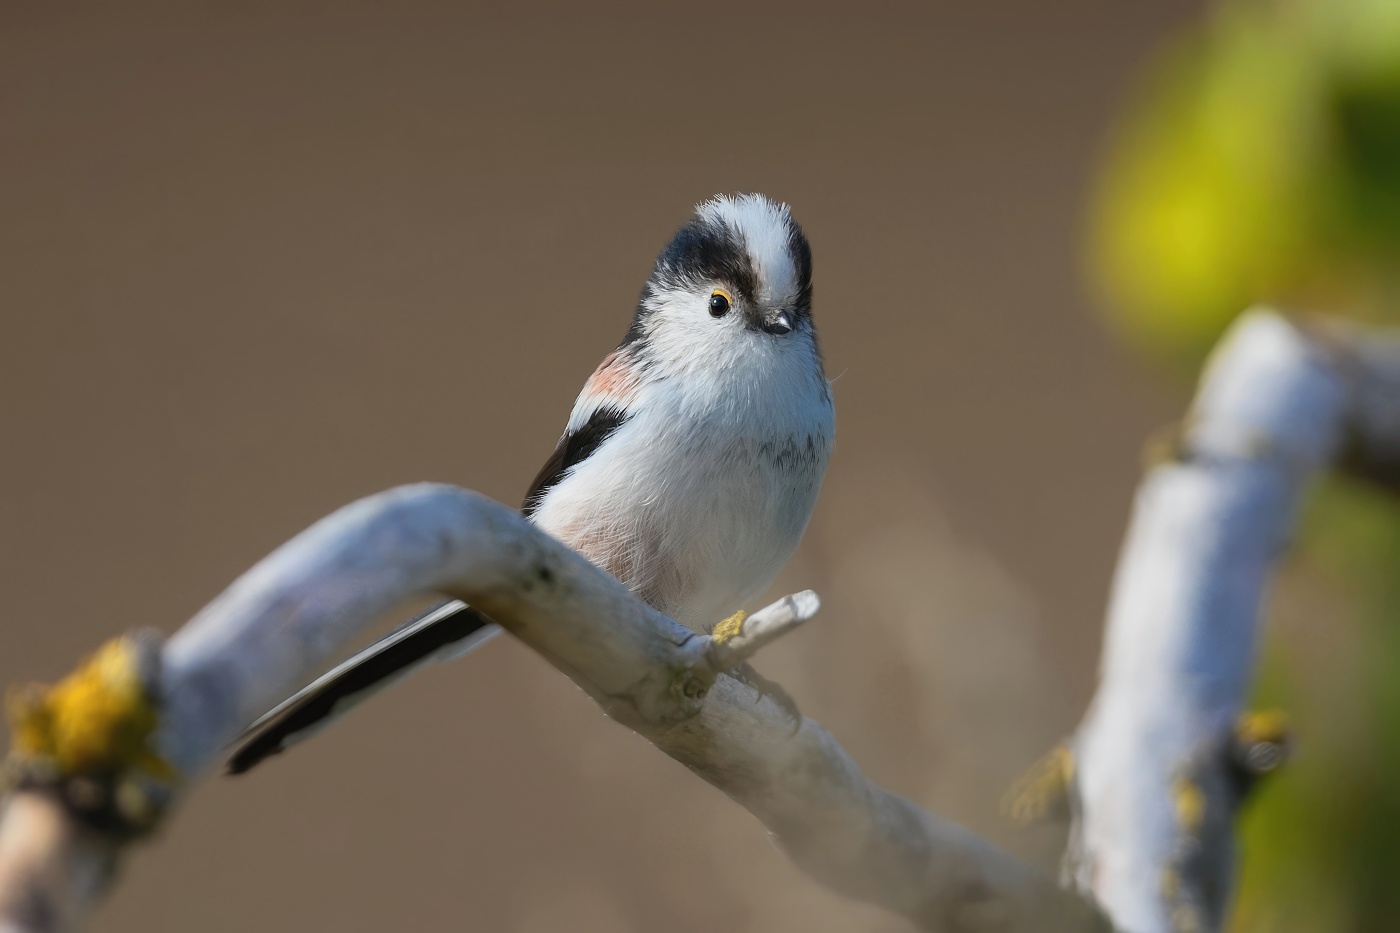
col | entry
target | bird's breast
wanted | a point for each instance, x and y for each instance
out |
(695, 514)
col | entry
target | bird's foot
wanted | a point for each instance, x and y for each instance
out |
(745, 674)
(764, 687)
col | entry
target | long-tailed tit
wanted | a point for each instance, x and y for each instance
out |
(690, 463)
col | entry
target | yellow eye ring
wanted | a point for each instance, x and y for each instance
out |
(720, 303)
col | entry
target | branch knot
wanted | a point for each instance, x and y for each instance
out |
(87, 740)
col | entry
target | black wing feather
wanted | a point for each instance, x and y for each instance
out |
(416, 640)
(371, 670)
(574, 448)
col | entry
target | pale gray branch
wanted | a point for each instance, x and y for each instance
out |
(1158, 770)
(761, 629)
(279, 624)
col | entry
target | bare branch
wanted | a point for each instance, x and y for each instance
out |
(280, 623)
(1164, 755)
(740, 637)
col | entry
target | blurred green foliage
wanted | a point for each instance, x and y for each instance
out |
(1260, 162)
(1321, 840)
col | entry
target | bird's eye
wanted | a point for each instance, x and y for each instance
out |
(719, 303)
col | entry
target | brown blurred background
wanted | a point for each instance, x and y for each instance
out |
(259, 259)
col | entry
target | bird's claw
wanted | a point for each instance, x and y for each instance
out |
(764, 687)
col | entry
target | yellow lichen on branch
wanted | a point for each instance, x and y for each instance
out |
(96, 721)
(1042, 793)
(729, 628)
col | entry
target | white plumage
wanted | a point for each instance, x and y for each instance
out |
(689, 465)
(700, 497)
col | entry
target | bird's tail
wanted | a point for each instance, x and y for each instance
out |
(442, 633)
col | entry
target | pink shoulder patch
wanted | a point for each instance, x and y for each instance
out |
(613, 379)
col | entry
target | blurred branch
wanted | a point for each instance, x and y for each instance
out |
(1165, 755)
(98, 758)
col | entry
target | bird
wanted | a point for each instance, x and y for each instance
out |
(688, 468)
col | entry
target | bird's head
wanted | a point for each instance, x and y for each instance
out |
(734, 281)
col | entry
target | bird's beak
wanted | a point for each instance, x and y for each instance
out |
(777, 322)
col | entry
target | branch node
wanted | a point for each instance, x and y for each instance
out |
(1043, 792)
(1189, 802)
(88, 739)
(741, 636)
(729, 629)
(1167, 444)
(1262, 743)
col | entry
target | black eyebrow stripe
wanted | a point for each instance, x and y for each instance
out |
(703, 251)
(801, 252)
